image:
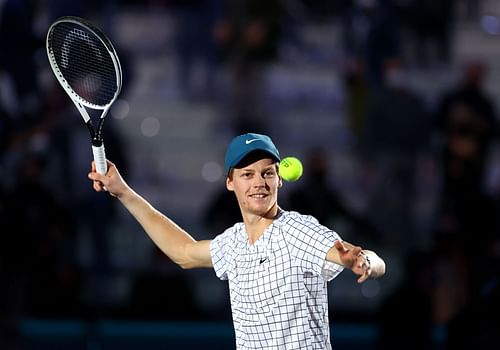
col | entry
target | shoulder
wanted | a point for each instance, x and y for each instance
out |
(230, 236)
(295, 226)
(291, 221)
(290, 217)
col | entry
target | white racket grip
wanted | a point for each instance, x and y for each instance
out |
(100, 159)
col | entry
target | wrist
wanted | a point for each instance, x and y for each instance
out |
(126, 194)
(377, 265)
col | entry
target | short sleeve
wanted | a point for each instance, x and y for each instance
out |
(220, 250)
(310, 243)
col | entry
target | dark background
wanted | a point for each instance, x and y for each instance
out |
(391, 105)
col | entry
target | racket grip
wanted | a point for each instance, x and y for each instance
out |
(100, 159)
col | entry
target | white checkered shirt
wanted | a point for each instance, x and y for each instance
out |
(278, 284)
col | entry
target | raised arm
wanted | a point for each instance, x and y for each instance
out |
(364, 263)
(176, 243)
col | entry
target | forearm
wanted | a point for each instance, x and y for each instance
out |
(334, 255)
(164, 232)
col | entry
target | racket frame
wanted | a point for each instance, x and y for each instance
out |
(80, 103)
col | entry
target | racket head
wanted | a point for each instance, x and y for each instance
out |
(84, 62)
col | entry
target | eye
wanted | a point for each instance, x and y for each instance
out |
(269, 173)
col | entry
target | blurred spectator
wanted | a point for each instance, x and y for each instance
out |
(477, 325)
(370, 33)
(317, 197)
(18, 62)
(471, 9)
(196, 46)
(248, 34)
(466, 126)
(358, 97)
(162, 292)
(221, 212)
(92, 216)
(396, 132)
(405, 316)
(318, 10)
(35, 277)
(5, 131)
(66, 141)
(434, 21)
(467, 224)
(467, 113)
(467, 284)
(427, 28)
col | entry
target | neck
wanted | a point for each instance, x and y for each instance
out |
(255, 225)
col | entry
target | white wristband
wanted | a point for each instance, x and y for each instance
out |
(377, 265)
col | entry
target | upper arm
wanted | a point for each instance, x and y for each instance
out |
(310, 242)
(197, 255)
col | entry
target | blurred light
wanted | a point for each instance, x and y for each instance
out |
(490, 25)
(39, 143)
(370, 288)
(211, 171)
(120, 109)
(150, 127)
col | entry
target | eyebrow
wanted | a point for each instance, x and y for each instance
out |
(267, 167)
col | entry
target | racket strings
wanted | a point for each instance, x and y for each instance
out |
(85, 63)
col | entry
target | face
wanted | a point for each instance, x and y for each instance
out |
(256, 187)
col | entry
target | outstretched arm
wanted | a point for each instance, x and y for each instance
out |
(176, 243)
(364, 263)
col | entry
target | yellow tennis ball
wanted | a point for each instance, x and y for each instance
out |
(291, 169)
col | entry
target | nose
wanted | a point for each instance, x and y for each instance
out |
(260, 181)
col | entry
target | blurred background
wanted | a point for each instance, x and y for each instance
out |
(391, 105)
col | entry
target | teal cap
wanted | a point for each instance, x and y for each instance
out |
(243, 145)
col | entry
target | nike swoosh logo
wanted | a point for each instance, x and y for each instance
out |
(247, 142)
(262, 260)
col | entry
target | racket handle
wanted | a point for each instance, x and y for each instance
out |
(100, 159)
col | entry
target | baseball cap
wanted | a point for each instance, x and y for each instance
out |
(243, 144)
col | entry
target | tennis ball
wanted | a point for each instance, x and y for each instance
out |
(291, 169)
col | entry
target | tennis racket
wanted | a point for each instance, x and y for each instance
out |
(86, 65)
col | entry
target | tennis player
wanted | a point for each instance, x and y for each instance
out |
(277, 262)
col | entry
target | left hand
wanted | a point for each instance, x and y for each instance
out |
(355, 259)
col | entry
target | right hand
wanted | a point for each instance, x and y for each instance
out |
(111, 181)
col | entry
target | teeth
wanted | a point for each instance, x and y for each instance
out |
(258, 195)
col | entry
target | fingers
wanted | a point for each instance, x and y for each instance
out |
(364, 266)
(340, 246)
(356, 251)
(98, 186)
(364, 276)
(350, 256)
(343, 249)
(98, 179)
(111, 182)
(96, 176)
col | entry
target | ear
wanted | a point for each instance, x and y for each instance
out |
(280, 181)
(229, 183)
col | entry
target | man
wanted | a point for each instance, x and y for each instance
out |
(277, 262)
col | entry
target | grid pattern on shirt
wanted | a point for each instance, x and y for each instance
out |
(278, 284)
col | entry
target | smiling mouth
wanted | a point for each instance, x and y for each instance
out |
(258, 195)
